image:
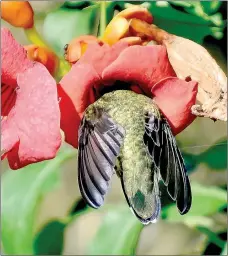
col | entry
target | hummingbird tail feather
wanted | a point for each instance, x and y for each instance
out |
(145, 204)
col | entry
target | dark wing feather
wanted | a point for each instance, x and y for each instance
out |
(99, 146)
(163, 149)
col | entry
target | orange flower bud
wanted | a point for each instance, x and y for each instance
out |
(116, 29)
(120, 26)
(151, 32)
(17, 13)
(44, 56)
(77, 47)
(136, 12)
(132, 40)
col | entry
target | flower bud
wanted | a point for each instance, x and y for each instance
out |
(116, 29)
(17, 13)
(136, 12)
(77, 47)
(44, 56)
(120, 26)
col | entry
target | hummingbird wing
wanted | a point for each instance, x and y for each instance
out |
(167, 157)
(99, 146)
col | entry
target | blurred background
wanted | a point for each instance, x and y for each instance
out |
(42, 211)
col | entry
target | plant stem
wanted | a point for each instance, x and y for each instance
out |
(35, 38)
(103, 18)
(64, 68)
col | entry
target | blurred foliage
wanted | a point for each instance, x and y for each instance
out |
(67, 23)
(45, 243)
(123, 238)
(118, 234)
(22, 193)
(205, 202)
(224, 252)
(215, 157)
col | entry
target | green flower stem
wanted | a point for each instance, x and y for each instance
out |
(64, 68)
(103, 18)
(35, 38)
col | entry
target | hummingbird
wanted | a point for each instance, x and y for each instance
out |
(124, 132)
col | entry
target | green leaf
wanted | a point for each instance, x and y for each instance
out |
(64, 24)
(191, 22)
(212, 236)
(75, 4)
(22, 193)
(211, 7)
(205, 202)
(190, 161)
(49, 241)
(118, 233)
(216, 156)
(224, 251)
(198, 9)
(110, 9)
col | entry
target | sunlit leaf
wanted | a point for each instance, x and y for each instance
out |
(224, 251)
(64, 24)
(211, 7)
(190, 22)
(201, 10)
(22, 193)
(118, 233)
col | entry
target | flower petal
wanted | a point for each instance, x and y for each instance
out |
(35, 119)
(143, 65)
(14, 58)
(8, 138)
(76, 93)
(175, 97)
(102, 56)
(8, 97)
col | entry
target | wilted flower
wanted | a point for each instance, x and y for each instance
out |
(30, 112)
